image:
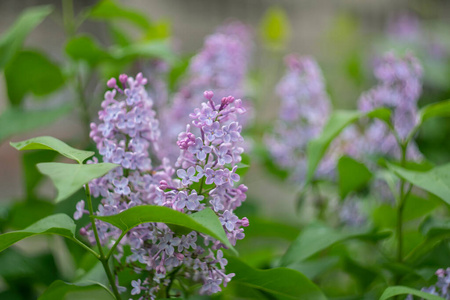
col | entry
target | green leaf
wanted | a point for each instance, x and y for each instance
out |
(439, 109)
(84, 290)
(85, 48)
(110, 10)
(275, 28)
(31, 71)
(282, 282)
(59, 224)
(15, 120)
(204, 221)
(352, 175)
(69, 178)
(340, 119)
(403, 290)
(435, 181)
(51, 143)
(317, 237)
(31, 174)
(11, 40)
(435, 232)
(152, 49)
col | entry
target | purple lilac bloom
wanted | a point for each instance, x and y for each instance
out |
(132, 138)
(305, 108)
(399, 88)
(221, 65)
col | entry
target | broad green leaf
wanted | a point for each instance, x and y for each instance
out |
(403, 290)
(435, 181)
(51, 143)
(11, 40)
(69, 178)
(15, 120)
(262, 227)
(25, 213)
(275, 28)
(313, 268)
(151, 49)
(340, 119)
(352, 175)
(204, 221)
(435, 232)
(85, 48)
(70, 291)
(439, 109)
(281, 282)
(59, 224)
(317, 237)
(111, 10)
(31, 71)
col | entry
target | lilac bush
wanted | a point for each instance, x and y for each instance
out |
(204, 175)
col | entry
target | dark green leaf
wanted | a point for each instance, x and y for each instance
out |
(11, 40)
(25, 213)
(204, 221)
(31, 71)
(435, 181)
(30, 172)
(313, 268)
(15, 120)
(282, 282)
(317, 237)
(87, 291)
(403, 290)
(352, 175)
(51, 143)
(439, 109)
(85, 48)
(435, 232)
(59, 224)
(110, 10)
(69, 178)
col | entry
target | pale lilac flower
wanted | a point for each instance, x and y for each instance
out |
(187, 176)
(136, 284)
(80, 210)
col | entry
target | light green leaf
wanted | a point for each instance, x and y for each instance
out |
(282, 282)
(352, 175)
(275, 28)
(435, 181)
(59, 224)
(31, 71)
(11, 40)
(110, 10)
(151, 49)
(439, 109)
(84, 47)
(70, 291)
(69, 178)
(318, 237)
(51, 143)
(15, 120)
(403, 290)
(338, 121)
(204, 221)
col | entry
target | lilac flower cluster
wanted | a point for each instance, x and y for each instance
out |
(399, 87)
(441, 288)
(305, 108)
(128, 134)
(221, 66)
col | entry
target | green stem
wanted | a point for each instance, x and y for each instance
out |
(115, 245)
(400, 208)
(102, 257)
(172, 278)
(85, 118)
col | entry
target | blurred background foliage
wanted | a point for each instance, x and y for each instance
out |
(55, 58)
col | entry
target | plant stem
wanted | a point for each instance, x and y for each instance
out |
(103, 259)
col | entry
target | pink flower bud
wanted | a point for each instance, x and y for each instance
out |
(208, 95)
(111, 83)
(123, 78)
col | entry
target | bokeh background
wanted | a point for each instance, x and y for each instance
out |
(344, 36)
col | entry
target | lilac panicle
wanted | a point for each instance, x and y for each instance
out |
(221, 66)
(399, 88)
(305, 108)
(204, 176)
